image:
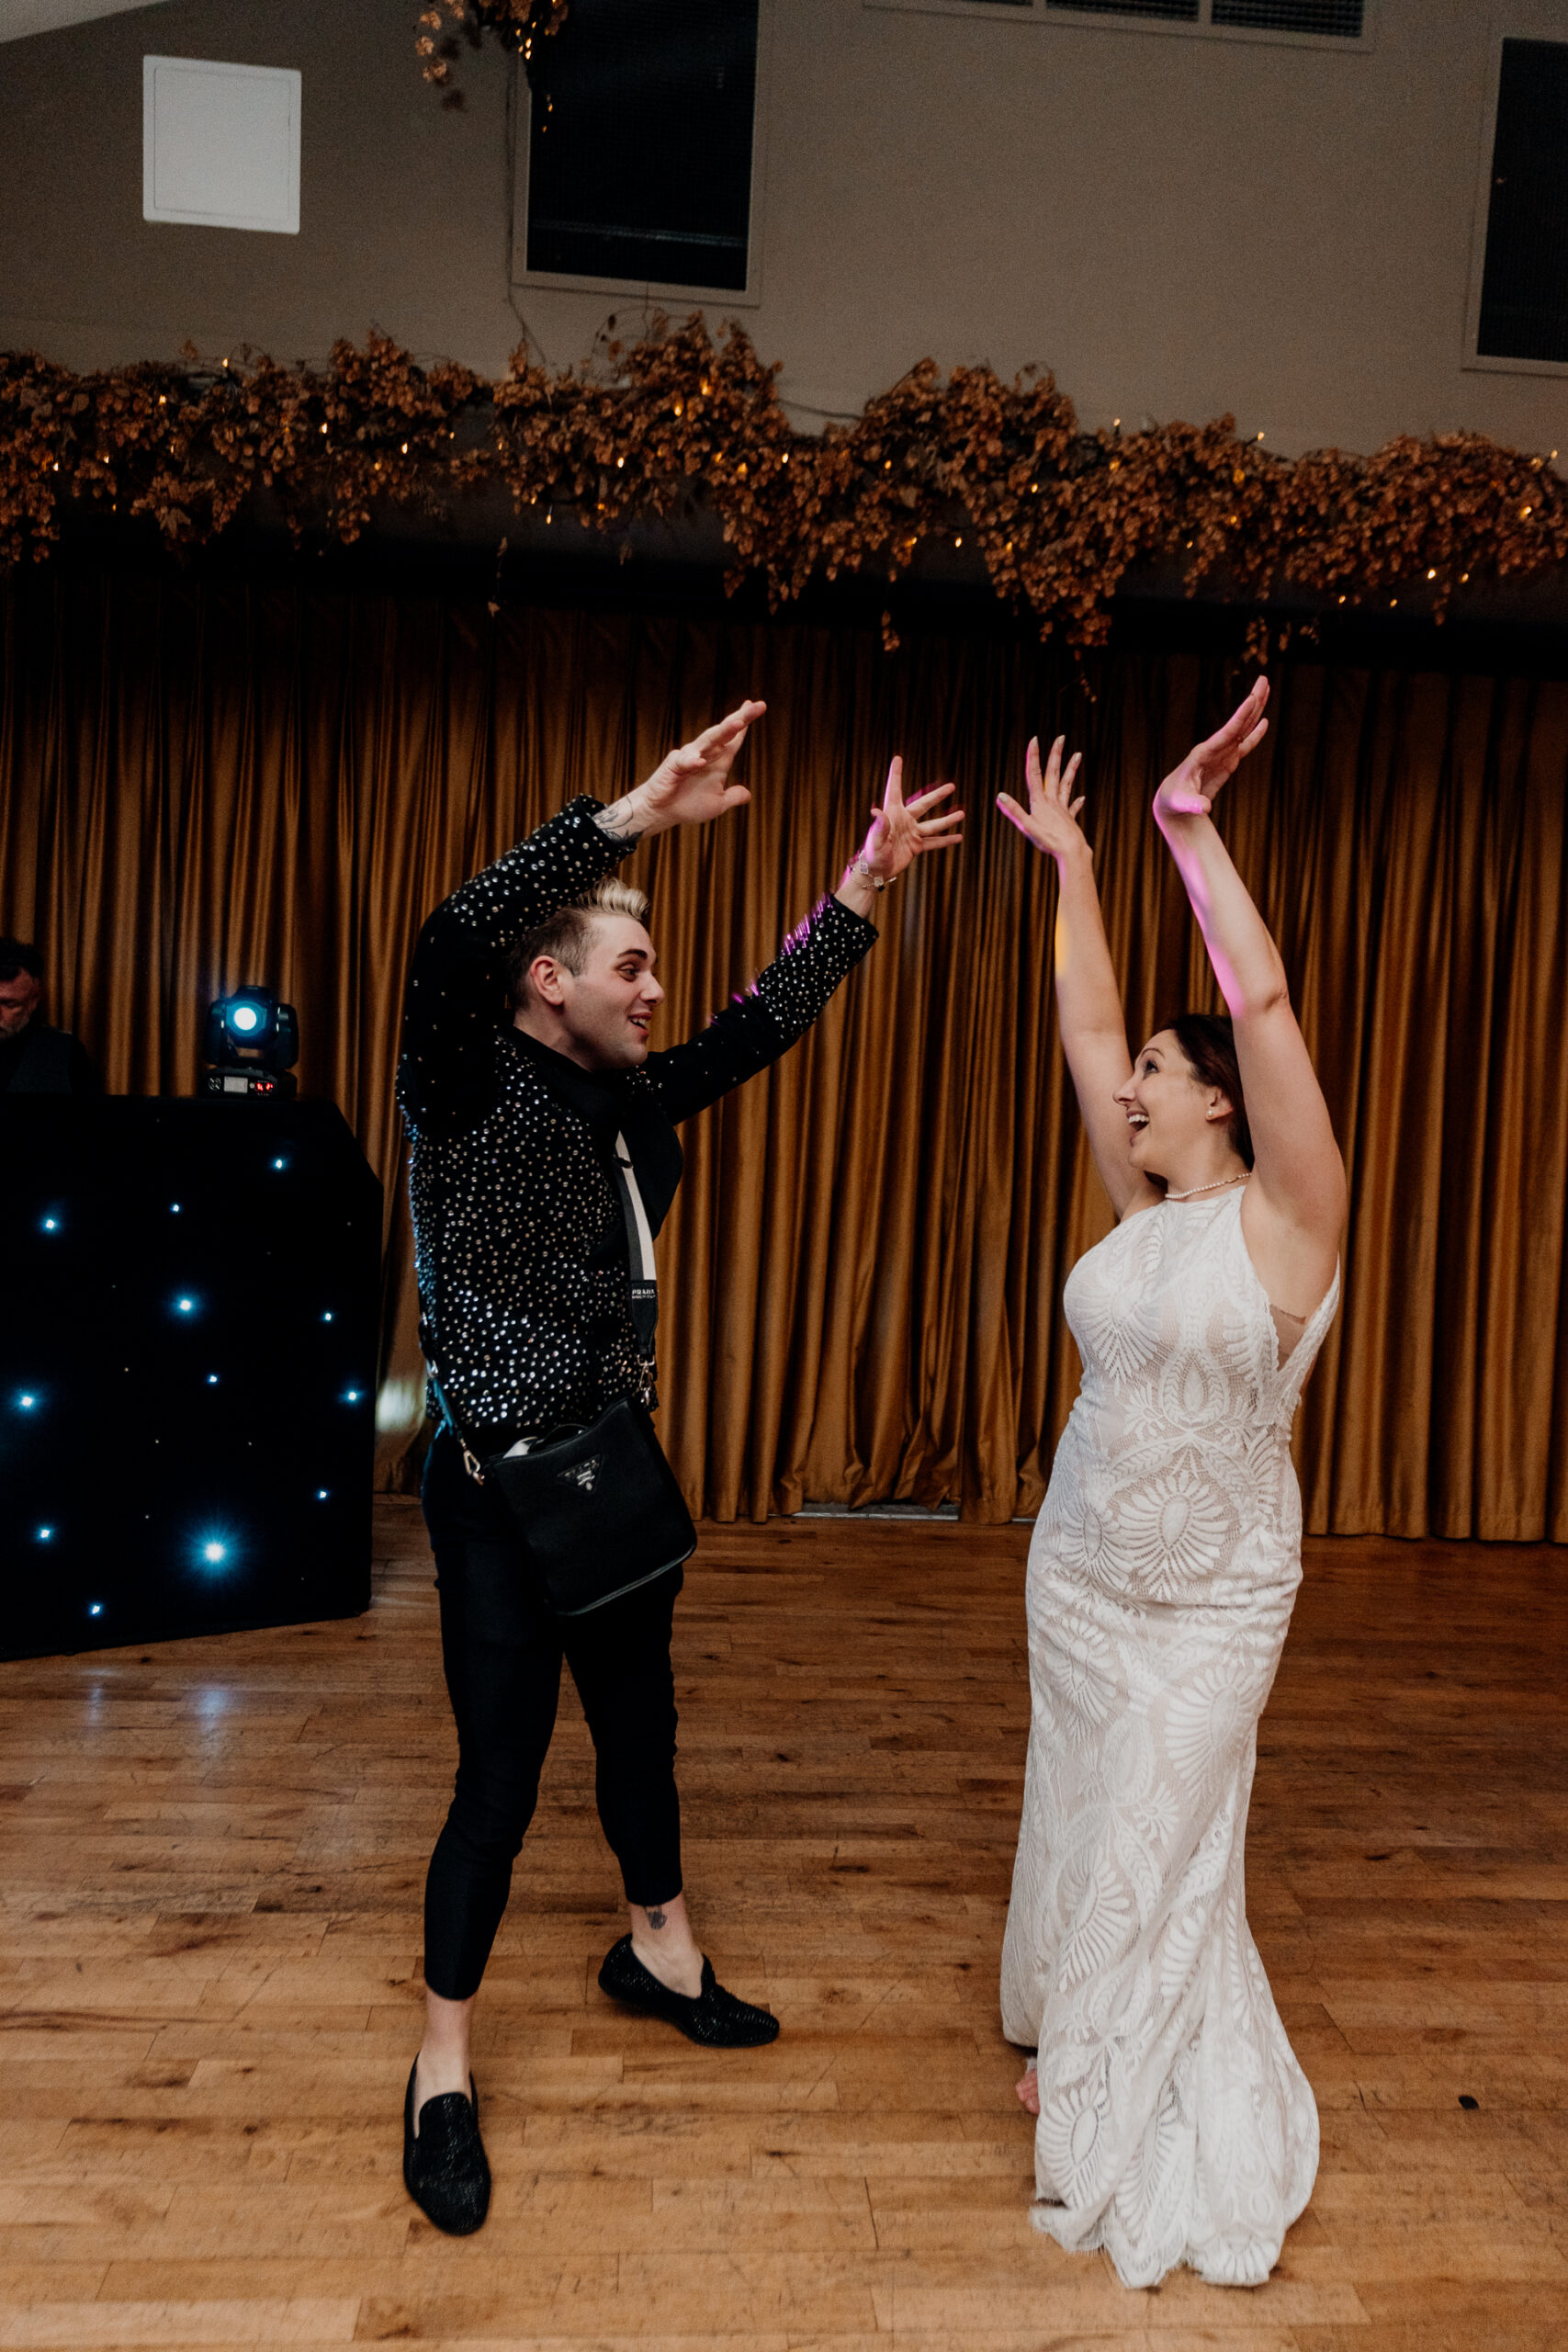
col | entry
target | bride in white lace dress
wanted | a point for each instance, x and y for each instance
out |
(1175, 2124)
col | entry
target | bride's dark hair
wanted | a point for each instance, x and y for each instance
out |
(1208, 1041)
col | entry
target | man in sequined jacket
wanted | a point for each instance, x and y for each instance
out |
(527, 1323)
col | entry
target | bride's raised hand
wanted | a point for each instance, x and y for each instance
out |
(1192, 789)
(1051, 819)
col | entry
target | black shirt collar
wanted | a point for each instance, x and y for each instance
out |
(612, 1103)
(597, 1095)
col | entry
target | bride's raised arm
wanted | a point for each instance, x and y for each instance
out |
(1294, 1210)
(1088, 1002)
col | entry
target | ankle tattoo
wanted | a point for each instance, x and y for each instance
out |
(657, 1918)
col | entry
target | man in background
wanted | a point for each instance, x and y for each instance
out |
(34, 1057)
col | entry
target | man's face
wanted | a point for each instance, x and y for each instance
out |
(607, 1009)
(18, 1002)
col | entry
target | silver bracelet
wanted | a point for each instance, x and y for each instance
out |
(874, 879)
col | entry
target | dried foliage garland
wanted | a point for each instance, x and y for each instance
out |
(1058, 515)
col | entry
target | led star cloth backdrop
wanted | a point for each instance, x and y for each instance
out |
(187, 1361)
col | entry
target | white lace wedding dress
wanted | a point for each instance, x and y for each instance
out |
(1175, 2124)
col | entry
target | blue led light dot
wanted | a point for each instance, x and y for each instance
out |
(185, 1305)
(212, 1380)
(173, 1208)
(46, 1535)
(95, 1608)
(26, 1403)
(321, 1493)
(327, 1317)
(353, 1396)
(51, 1225)
(212, 1551)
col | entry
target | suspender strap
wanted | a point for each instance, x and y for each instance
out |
(644, 1286)
(639, 1249)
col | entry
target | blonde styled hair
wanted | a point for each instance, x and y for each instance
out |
(565, 934)
(612, 898)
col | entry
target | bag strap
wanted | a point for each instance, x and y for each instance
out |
(639, 1249)
(470, 1459)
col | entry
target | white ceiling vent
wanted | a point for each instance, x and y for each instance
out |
(220, 144)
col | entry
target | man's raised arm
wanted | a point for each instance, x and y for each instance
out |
(455, 990)
(786, 998)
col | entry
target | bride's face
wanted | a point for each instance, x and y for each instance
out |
(1171, 1115)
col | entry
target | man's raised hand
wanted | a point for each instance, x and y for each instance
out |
(900, 829)
(689, 786)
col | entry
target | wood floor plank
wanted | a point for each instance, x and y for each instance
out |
(211, 1863)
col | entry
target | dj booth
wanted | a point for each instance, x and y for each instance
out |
(189, 1297)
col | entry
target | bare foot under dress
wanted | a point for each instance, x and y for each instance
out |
(1175, 2124)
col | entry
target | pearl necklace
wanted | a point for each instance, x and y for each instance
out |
(1218, 1185)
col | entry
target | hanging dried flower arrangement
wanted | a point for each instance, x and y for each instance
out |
(518, 24)
(1058, 515)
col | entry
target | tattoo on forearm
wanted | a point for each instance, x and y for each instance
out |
(657, 1918)
(619, 822)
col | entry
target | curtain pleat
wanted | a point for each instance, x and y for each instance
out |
(203, 785)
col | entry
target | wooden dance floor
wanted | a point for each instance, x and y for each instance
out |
(212, 1861)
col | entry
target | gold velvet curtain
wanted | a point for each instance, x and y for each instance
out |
(203, 785)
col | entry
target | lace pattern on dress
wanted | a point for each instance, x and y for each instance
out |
(1175, 2123)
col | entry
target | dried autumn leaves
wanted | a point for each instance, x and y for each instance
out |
(1058, 515)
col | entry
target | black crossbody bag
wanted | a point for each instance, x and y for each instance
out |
(596, 1505)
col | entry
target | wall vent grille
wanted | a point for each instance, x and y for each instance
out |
(1524, 286)
(1182, 11)
(1335, 19)
(1339, 22)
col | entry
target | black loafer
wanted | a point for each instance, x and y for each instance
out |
(713, 2016)
(444, 2169)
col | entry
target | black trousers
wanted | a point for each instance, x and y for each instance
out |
(502, 1649)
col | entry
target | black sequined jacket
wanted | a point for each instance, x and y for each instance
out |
(519, 1242)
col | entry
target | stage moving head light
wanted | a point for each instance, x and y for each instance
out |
(253, 1042)
(252, 1025)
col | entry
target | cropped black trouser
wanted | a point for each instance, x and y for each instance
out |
(502, 1649)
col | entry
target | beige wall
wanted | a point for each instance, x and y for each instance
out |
(1176, 226)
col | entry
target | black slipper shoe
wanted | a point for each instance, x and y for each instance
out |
(444, 2169)
(713, 2016)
